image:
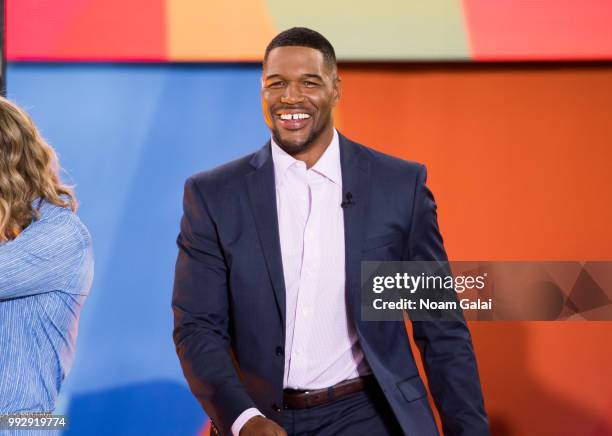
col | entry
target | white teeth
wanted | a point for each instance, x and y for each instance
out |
(294, 116)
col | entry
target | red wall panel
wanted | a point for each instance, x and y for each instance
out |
(539, 29)
(86, 29)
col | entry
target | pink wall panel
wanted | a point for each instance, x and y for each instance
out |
(539, 29)
(86, 30)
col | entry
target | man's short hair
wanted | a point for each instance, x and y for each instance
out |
(303, 37)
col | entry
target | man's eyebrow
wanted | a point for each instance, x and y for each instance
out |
(304, 76)
(273, 76)
(312, 76)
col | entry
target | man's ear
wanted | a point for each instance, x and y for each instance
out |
(337, 90)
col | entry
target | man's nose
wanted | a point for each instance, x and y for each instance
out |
(292, 94)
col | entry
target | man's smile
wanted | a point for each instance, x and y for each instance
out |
(291, 120)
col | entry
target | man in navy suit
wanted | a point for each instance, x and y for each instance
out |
(267, 287)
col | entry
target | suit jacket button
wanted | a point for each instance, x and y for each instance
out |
(276, 408)
(279, 351)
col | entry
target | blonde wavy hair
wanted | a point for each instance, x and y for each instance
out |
(28, 171)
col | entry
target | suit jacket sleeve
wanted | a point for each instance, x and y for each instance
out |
(446, 346)
(200, 304)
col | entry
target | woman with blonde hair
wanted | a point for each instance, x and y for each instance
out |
(46, 268)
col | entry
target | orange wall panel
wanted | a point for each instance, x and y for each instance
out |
(520, 162)
(218, 31)
(519, 159)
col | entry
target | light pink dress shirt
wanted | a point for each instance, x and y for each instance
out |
(321, 347)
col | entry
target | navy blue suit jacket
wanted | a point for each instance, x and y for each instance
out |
(229, 293)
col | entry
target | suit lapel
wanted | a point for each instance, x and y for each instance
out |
(356, 180)
(262, 195)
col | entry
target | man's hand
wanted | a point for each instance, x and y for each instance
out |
(260, 426)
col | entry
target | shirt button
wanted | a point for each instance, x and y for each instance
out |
(276, 408)
(279, 351)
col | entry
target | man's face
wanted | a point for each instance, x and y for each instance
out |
(299, 91)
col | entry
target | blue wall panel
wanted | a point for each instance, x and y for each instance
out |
(128, 136)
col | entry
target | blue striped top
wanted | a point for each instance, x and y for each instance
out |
(45, 276)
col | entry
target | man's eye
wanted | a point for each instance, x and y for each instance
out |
(275, 84)
(309, 84)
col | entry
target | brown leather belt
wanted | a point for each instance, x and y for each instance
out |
(304, 399)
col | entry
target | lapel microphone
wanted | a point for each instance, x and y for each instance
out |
(348, 201)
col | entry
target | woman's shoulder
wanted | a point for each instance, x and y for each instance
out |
(63, 221)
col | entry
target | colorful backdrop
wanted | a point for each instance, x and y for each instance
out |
(207, 30)
(518, 155)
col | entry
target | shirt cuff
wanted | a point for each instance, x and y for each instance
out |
(243, 418)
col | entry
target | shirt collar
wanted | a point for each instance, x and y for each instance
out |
(328, 164)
